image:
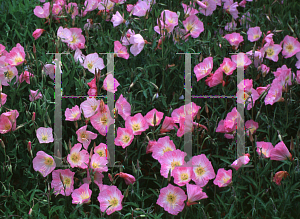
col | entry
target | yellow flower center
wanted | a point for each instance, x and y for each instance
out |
(245, 96)
(126, 138)
(255, 36)
(95, 165)
(90, 65)
(171, 198)
(83, 136)
(7, 127)
(74, 115)
(8, 74)
(226, 68)
(48, 161)
(270, 51)
(67, 181)
(167, 149)
(75, 157)
(18, 59)
(289, 48)
(101, 153)
(94, 107)
(184, 176)
(175, 163)
(200, 171)
(103, 120)
(84, 195)
(190, 27)
(225, 179)
(136, 127)
(74, 39)
(44, 137)
(113, 202)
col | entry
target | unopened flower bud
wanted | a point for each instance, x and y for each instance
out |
(292, 144)
(2, 144)
(33, 117)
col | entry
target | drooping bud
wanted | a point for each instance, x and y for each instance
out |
(33, 117)
(292, 144)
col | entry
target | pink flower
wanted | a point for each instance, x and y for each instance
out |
(171, 198)
(3, 98)
(44, 135)
(194, 193)
(63, 182)
(12, 116)
(149, 146)
(110, 84)
(265, 70)
(56, 9)
(34, 95)
(272, 50)
(242, 60)
(110, 196)
(73, 114)
(247, 97)
(140, 8)
(193, 25)
(123, 107)
(85, 137)
(124, 137)
(43, 163)
(125, 39)
(101, 121)
(89, 107)
(98, 163)
(230, 8)
(291, 46)
(251, 127)
(117, 19)
(129, 179)
(64, 34)
(78, 40)
(25, 76)
(90, 5)
(168, 20)
(223, 177)
(185, 126)
(78, 158)
(101, 149)
(264, 148)
(161, 146)
(234, 39)
(298, 77)
(228, 66)
(254, 33)
(138, 43)
(204, 68)
(215, 79)
(279, 175)
(280, 152)
(189, 9)
(203, 170)
(211, 6)
(93, 62)
(260, 90)
(243, 160)
(137, 123)
(231, 26)
(298, 62)
(72, 8)
(16, 56)
(37, 33)
(168, 125)
(49, 69)
(149, 117)
(274, 94)
(82, 194)
(182, 175)
(42, 12)
(121, 50)
(169, 160)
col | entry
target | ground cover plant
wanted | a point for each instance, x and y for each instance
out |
(155, 176)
